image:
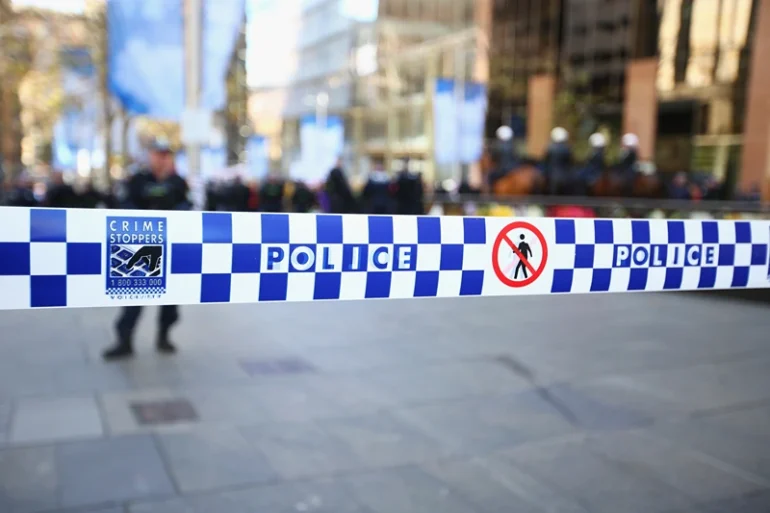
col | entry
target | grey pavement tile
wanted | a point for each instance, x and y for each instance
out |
(189, 368)
(219, 405)
(117, 509)
(739, 449)
(351, 394)
(666, 462)
(110, 471)
(752, 421)
(37, 380)
(601, 486)
(207, 458)
(594, 414)
(757, 502)
(445, 380)
(496, 487)
(28, 480)
(301, 450)
(407, 490)
(276, 366)
(622, 390)
(6, 409)
(118, 414)
(306, 496)
(384, 440)
(234, 405)
(293, 401)
(164, 411)
(484, 424)
(52, 420)
(710, 386)
(363, 357)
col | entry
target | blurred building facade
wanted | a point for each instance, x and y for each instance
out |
(376, 72)
(30, 90)
(677, 72)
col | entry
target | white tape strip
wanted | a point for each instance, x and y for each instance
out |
(89, 258)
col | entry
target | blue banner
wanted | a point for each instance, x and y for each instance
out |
(459, 122)
(257, 158)
(363, 11)
(213, 161)
(147, 57)
(322, 141)
(78, 125)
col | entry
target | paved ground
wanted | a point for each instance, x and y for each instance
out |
(616, 404)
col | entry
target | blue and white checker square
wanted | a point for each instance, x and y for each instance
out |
(617, 255)
(49, 257)
(246, 257)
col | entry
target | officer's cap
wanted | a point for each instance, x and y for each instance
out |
(162, 145)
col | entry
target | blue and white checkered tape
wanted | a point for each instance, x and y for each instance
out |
(92, 258)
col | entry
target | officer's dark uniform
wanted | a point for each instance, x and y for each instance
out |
(146, 192)
(409, 193)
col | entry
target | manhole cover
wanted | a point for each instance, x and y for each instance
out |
(279, 366)
(164, 412)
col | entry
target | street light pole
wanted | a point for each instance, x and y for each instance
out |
(193, 68)
(322, 109)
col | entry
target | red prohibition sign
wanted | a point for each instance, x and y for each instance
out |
(503, 237)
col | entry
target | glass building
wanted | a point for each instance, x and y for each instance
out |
(702, 47)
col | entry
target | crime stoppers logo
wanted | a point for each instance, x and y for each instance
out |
(136, 257)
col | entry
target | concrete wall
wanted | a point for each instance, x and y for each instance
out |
(540, 104)
(640, 108)
(756, 138)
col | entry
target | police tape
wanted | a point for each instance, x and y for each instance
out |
(92, 258)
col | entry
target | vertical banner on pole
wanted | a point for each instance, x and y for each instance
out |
(321, 142)
(445, 122)
(473, 114)
(257, 157)
(458, 122)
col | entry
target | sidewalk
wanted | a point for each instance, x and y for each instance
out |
(634, 403)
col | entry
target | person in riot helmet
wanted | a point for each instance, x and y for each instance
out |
(558, 161)
(157, 188)
(596, 164)
(629, 161)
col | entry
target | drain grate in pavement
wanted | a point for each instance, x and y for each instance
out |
(278, 366)
(153, 413)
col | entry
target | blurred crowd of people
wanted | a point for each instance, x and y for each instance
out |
(381, 194)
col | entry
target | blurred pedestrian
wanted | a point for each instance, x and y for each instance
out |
(377, 196)
(61, 194)
(271, 194)
(303, 200)
(157, 188)
(21, 193)
(339, 195)
(409, 192)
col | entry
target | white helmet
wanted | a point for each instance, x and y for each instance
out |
(597, 140)
(559, 135)
(630, 140)
(504, 133)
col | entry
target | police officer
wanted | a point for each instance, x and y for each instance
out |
(558, 161)
(409, 192)
(377, 196)
(158, 187)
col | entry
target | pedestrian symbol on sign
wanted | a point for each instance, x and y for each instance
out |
(520, 263)
(523, 254)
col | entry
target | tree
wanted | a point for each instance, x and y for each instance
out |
(236, 111)
(575, 110)
(14, 61)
